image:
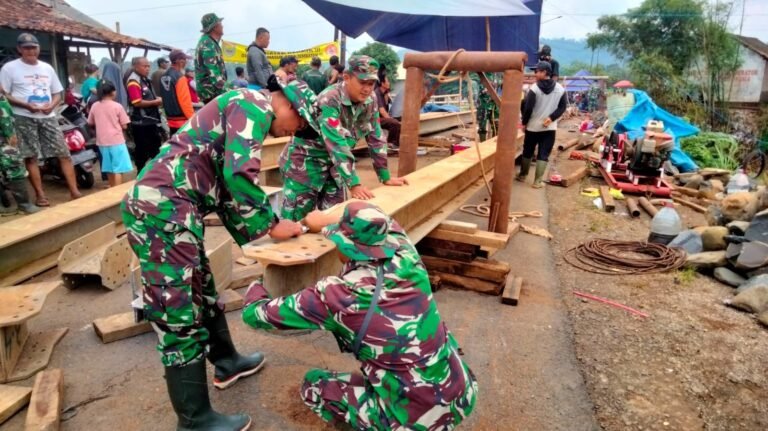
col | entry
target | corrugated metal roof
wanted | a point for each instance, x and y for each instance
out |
(754, 44)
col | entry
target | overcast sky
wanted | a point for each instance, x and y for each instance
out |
(295, 26)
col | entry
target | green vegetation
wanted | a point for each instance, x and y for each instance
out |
(686, 276)
(713, 150)
(384, 54)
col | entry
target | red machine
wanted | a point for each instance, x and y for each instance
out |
(637, 167)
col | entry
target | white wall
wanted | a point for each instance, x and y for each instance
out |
(748, 80)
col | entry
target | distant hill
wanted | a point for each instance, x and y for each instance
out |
(566, 51)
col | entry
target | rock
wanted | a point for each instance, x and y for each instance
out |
(753, 255)
(759, 271)
(688, 240)
(729, 277)
(739, 206)
(738, 227)
(754, 300)
(760, 280)
(763, 318)
(758, 228)
(714, 216)
(733, 251)
(706, 260)
(694, 182)
(713, 238)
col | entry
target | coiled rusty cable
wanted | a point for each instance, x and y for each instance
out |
(609, 257)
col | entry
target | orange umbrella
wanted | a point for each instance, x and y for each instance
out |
(623, 84)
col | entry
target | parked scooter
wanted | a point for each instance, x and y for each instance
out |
(83, 157)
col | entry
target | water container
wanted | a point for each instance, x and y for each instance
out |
(665, 226)
(739, 182)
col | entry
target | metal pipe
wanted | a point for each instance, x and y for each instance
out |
(469, 61)
(634, 210)
(409, 132)
(506, 149)
(648, 206)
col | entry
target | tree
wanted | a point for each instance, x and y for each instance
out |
(385, 55)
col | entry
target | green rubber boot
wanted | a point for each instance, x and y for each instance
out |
(230, 366)
(19, 191)
(188, 390)
(541, 168)
(525, 167)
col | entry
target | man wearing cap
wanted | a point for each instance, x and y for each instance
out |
(33, 89)
(318, 169)
(174, 90)
(379, 308)
(545, 54)
(544, 104)
(162, 67)
(313, 77)
(210, 165)
(210, 72)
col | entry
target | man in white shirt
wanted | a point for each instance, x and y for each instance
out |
(34, 90)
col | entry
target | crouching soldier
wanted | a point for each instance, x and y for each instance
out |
(380, 309)
(13, 174)
(210, 165)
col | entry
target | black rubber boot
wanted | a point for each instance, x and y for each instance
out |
(230, 366)
(19, 191)
(188, 390)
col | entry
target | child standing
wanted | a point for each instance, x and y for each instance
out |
(110, 120)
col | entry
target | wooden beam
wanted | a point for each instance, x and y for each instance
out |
(512, 290)
(479, 238)
(12, 399)
(458, 226)
(409, 132)
(461, 282)
(45, 405)
(575, 176)
(488, 270)
(608, 204)
(468, 60)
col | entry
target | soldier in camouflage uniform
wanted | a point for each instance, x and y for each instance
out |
(412, 375)
(487, 111)
(13, 174)
(210, 165)
(210, 71)
(318, 169)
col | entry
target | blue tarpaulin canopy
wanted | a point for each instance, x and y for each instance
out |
(643, 111)
(446, 25)
(575, 83)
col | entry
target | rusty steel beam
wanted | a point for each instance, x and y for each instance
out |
(409, 131)
(466, 61)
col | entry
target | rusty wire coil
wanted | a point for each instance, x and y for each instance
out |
(609, 257)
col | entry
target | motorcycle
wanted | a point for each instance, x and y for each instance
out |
(83, 156)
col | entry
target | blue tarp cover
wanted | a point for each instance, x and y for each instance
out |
(415, 29)
(645, 110)
(575, 83)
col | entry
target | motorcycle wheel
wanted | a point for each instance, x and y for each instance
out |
(85, 180)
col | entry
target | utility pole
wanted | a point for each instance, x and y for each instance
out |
(343, 57)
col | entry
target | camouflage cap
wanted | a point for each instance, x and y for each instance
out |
(363, 67)
(363, 233)
(303, 100)
(208, 21)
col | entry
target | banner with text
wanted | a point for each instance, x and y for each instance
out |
(237, 53)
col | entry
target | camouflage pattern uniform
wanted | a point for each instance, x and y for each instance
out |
(318, 172)
(412, 375)
(11, 163)
(210, 165)
(210, 71)
(487, 111)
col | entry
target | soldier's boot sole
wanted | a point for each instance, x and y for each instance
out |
(224, 383)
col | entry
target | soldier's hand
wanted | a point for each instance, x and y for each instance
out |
(361, 192)
(317, 220)
(396, 181)
(285, 229)
(13, 141)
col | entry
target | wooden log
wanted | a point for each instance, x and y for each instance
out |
(512, 289)
(445, 253)
(687, 191)
(608, 204)
(689, 204)
(488, 270)
(45, 405)
(449, 245)
(632, 207)
(575, 176)
(458, 281)
(458, 226)
(479, 238)
(12, 399)
(647, 206)
(568, 144)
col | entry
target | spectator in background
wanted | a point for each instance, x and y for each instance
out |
(240, 81)
(145, 113)
(313, 77)
(190, 74)
(383, 100)
(112, 73)
(210, 70)
(109, 119)
(33, 89)
(259, 69)
(162, 66)
(287, 70)
(88, 88)
(332, 73)
(545, 54)
(174, 90)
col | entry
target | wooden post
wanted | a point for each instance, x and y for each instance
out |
(409, 135)
(506, 150)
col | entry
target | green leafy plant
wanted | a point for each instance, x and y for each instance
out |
(713, 150)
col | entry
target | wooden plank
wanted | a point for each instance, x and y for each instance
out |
(488, 270)
(575, 176)
(12, 339)
(689, 204)
(512, 290)
(45, 405)
(245, 261)
(449, 245)
(19, 303)
(445, 253)
(608, 204)
(479, 238)
(458, 226)
(220, 261)
(37, 353)
(474, 284)
(12, 399)
(243, 276)
(34, 268)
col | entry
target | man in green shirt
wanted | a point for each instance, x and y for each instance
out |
(314, 78)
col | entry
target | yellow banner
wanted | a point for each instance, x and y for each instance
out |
(237, 53)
